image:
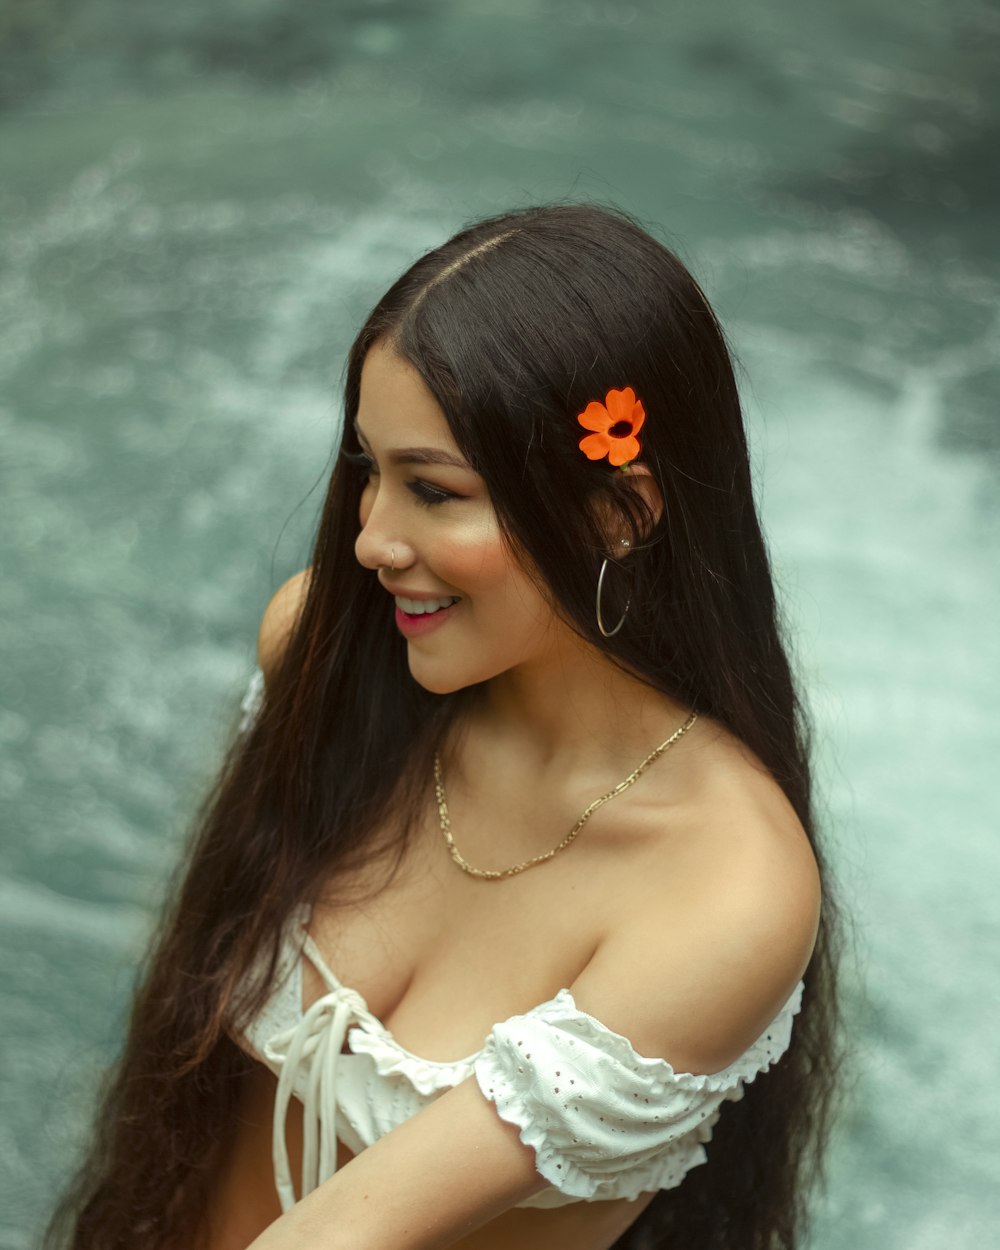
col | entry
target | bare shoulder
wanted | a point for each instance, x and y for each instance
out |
(279, 620)
(722, 924)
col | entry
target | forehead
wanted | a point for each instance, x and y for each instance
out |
(395, 407)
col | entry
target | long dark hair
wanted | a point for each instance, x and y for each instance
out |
(514, 325)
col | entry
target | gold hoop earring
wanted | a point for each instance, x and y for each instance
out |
(608, 633)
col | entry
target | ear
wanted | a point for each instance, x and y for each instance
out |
(637, 479)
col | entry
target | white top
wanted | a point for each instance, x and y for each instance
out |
(604, 1121)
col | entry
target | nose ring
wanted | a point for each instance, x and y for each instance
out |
(392, 555)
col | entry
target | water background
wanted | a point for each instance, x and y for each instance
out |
(198, 204)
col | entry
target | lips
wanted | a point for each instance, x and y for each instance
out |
(404, 592)
(414, 624)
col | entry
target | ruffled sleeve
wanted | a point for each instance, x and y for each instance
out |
(604, 1121)
(252, 700)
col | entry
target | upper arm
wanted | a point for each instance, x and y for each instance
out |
(696, 983)
(280, 617)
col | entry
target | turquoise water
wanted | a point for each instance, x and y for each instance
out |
(199, 203)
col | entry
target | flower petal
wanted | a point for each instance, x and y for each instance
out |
(595, 417)
(638, 416)
(623, 449)
(595, 446)
(620, 404)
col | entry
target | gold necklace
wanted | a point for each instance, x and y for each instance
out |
(494, 875)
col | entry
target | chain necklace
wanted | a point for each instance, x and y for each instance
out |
(494, 875)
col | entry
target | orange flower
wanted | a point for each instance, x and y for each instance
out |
(615, 423)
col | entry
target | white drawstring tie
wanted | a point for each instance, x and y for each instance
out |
(317, 1040)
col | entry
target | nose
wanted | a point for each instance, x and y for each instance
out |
(378, 544)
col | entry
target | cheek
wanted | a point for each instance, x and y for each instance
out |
(472, 556)
(498, 587)
(484, 569)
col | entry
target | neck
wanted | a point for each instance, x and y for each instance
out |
(572, 713)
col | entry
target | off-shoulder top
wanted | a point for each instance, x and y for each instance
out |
(604, 1121)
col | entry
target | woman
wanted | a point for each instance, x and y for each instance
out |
(505, 925)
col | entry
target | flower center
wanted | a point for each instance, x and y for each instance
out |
(620, 429)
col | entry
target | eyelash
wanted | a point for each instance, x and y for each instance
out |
(427, 496)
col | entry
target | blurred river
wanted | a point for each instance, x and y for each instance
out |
(198, 204)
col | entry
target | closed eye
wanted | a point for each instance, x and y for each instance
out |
(427, 495)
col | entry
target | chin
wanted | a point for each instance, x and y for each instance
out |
(438, 683)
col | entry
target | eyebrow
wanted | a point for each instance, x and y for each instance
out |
(419, 455)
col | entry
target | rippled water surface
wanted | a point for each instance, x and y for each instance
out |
(198, 204)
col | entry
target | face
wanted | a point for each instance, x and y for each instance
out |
(438, 522)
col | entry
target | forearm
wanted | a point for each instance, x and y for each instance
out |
(429, 1182)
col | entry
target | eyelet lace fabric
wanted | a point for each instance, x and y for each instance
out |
(604, 1121)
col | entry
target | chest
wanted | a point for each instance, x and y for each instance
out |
(440, 956)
